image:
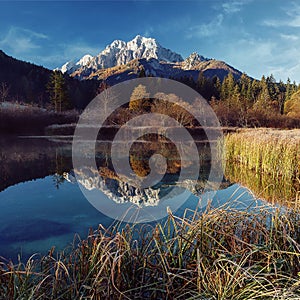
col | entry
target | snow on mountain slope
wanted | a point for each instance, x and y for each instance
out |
(72, 66)
(125, 60)
(120, 53)
(84, 60)
(66, 67)
(193, 60)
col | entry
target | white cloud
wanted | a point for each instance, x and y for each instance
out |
(148, 32)
(24, 44)
(291, 18)
(78, 49)
(250, 55)
(289, 37)
(259, 57)
(36, 47)
(283, 23)
(20, 40)
(295, 22)
(232, 7)
(206, 30)
(66, 52)
(292, 71)
(272, 23)
(254, 49)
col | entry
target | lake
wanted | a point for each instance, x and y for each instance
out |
(42, 204)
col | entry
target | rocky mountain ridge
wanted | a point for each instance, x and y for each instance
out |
(125, 60)
(120, 53)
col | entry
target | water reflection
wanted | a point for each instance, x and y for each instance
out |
(284, 192)
(124, 176)
(23, 159)
(35, 216)
(42, 206)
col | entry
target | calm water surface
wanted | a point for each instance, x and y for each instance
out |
(41, 205)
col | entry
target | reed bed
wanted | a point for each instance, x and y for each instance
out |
(220, 253)
(273, 190)
(268, 152)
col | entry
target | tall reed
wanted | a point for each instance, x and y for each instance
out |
(218, 254)
(268, 153)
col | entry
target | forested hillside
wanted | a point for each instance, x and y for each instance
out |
(27, 83)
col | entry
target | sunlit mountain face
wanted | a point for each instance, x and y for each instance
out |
(121, 60)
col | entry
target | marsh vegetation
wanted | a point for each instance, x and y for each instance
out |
(218, 254)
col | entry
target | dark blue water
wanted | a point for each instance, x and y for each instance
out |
(40, 209)
(35, 215)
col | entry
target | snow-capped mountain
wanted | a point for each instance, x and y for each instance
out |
(121, 191)
(120, 53)
(122, 60)
(117, 190)
(72, 66)
(193, 60)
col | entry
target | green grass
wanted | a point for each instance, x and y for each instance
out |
(218, 254)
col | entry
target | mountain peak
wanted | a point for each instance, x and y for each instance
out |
(72, 66)
(140, 41)
(115, 44)
(143, 53)
(120, 53)
(142, 38)
(192, 60)
(138, 38)
(84, 60)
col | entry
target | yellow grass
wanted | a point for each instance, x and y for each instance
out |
(267, 153)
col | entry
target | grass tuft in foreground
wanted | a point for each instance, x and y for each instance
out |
(218, 254)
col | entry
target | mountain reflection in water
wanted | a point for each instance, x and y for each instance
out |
(42, 206)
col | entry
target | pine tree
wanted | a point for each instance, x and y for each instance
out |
(142, 73)
(227, 88)
(58, 91)
(4, 91)
(255, 90)
(244, 85)
(281, 96)
(249, 94)
(201, 84)
(264, 97)
(272, 87)
(236, 98)
(217, 87)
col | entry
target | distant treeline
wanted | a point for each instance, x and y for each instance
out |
(237, 101)
(249, 102)
(27, 83)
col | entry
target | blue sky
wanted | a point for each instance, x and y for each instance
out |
(255, 36)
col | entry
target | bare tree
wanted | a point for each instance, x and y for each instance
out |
(173, 106)
(107, 100)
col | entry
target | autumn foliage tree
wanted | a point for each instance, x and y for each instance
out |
(139, 99)
(292, 106)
